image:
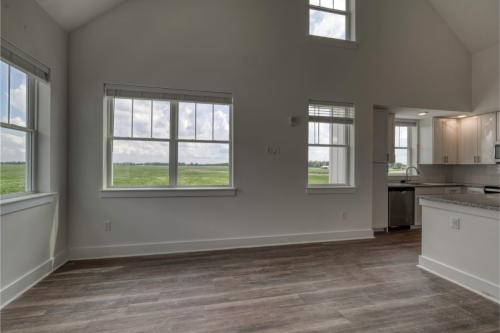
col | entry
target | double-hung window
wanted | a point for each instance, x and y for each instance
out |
(168, 140)
(331, 145)
(17, 130)
(332, 19)
(405, 146)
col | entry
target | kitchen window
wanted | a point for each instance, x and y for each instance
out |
(332, 19)
(158, 139)
(405, 147)
(17, 130)
(331, 145)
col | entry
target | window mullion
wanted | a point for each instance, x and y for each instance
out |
(174, 114)
(8, 94)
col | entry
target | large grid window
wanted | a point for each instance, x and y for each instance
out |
(331, 18)
(330, 145)
(405, 147)
(169, 143)
(17, 130)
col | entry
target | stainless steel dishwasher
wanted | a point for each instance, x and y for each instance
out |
(401, 206)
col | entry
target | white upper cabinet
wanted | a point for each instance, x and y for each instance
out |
(477, 139)
(468, 140)
(438, 141)
(487, 138)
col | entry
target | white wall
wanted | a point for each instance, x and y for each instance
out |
(260, 52)
(29, 28)
(485, 87)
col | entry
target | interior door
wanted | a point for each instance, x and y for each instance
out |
(487, 137)
(468, 145)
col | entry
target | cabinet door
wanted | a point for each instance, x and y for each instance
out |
(450, 141)
(438, 141)
(391, 155)
(468, 140)
(487, 137)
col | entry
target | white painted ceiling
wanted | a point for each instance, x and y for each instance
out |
(475, 22)
(71, 14)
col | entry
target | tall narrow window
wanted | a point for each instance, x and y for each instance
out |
(332, 19)
(331, 150)
(17, 129)
(405, 146)
(169, 141)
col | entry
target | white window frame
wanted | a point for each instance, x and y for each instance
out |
(410, 148)
(30, 130)
(155, 191)
(349, 14)
(349, 145)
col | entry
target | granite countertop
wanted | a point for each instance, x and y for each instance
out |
(410, 184)
(476, 200)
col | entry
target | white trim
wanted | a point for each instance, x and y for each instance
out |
(60, 259)
(168, 192)
(333, 42)
(141, 249)
(15, 204)
(331, 190)
(17, 287)
(468, 281)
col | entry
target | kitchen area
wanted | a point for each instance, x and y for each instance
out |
(439, 171)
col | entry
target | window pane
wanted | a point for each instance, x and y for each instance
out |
(327, 24)
(203, 164)
(4, 92)
(142, 118)
(161, 119)
(340, 4)
(339, 134)
(326, 3)
(401, 157)
(401, 136)
(122, 117)
(221, 122)
(314, 2)
(186, 121)
(140, 163)
(327, 165)
(204, 121)
(313, 132)
(18, 97)
(13, 171)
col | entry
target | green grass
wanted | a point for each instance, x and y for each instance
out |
(318, 176)
(12, 178)
(157, 175)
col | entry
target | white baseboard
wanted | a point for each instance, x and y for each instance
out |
(141, 249)
(468, 281)
(17, 287)
(60, 259)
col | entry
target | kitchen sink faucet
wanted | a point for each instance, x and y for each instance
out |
(408, 176)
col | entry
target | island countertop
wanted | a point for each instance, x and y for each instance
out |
(476, 200)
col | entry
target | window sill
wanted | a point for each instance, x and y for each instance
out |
(15, 204)
(342, 43)
(166, 193)
(331, 190)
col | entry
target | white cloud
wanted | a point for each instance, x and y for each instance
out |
(327, 24)
(13, 146)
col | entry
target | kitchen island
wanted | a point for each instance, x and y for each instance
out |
(460, 240)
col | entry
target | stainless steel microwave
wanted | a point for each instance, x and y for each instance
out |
(497, 152)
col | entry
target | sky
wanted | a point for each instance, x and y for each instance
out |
(13, 143)
(151, 119)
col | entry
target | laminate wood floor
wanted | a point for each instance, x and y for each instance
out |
(357, 286)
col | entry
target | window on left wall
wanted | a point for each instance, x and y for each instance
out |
(17, 130)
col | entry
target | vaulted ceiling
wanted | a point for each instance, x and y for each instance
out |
(71, 14)
(475, 22)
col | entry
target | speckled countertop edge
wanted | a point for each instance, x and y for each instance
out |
(468, 200)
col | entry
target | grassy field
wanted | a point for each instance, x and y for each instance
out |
(318, 176)
(12, 178)
(157, 175)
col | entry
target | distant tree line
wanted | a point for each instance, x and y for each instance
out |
(13, 162)
(317, 164)
(166, 164)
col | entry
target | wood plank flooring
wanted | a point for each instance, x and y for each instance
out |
(357, 286)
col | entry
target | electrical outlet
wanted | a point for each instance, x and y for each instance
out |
(273, 150)
(455, 223)
(107, 225)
